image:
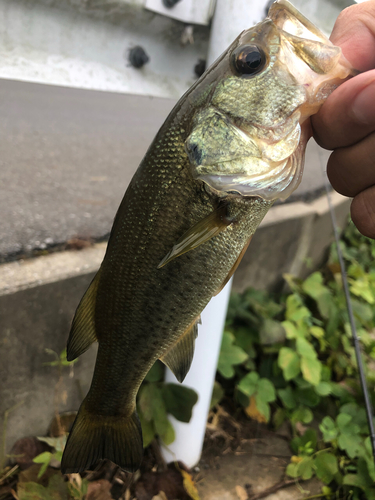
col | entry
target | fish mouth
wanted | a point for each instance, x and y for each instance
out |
(260, 151)
(265, 163)
(319, 64)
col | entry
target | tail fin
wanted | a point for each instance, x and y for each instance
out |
(96, 437)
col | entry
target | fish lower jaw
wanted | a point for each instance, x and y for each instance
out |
(278, 182)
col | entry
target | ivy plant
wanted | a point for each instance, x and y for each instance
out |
(290, 358)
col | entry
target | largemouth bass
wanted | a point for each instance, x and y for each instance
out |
(232, 145)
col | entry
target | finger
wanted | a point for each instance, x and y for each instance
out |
(348, 115)
(363, 212)
(334, 125)
(354, 32)
(352, 170)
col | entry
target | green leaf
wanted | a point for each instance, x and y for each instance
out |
(289, 362)
(58, 443)
(156, 373)
(363, 312)
(354, 480)
(307, 397)
(57, 489)
(44, 459)
(290, 330)
(263, 407)
(161, 422)
(317, 332)
(306, 443)
(266, 390)
(311, 370)
(287, 397)
(310, 436)
(248, 385)
(313, 286)
(148, 430)
(245, 338)
(302, 414)
(230, 355)
(217, 394)
(364, 473)
(151, 403)
(279, 417)
(305, 349)
(179, 401)
(328, 429)
(145, 401)
(295, 310)
(305, 468)
(323, 389)
(167, 434)
(43, 469)
(326, 466)
(351, 443)
(292, 470)
(343, 420)
(361, 288)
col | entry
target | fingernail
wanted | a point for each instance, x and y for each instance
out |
(363, 106)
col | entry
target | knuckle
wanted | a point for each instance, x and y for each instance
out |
(363, 212)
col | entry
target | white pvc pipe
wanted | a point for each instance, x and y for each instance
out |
(188, 444)
(230, 18)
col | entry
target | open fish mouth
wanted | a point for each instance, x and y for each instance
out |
(319, 64)
(250, 139)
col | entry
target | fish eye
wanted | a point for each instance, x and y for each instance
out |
(248, 59)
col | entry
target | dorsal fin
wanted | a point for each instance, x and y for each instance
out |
(83, 333)
(180, 355)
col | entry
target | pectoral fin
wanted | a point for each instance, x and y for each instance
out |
(82, 333)
(201, 232)
(235, 265)
(180, 355)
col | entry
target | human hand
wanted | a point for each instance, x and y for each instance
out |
(346, 121)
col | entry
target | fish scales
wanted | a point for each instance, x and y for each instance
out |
(172, 304)
(232, 145)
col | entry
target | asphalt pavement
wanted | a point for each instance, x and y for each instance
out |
(67, 156)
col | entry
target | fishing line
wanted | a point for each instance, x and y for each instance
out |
(356, 339)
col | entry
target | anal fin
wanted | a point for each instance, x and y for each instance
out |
(200, 233)
(83, 333)
(180, 355)
(235, 265)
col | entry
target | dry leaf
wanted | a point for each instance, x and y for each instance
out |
(31, 475)
(253, 412)
(25, 449)
(64, 397)
(300, 428)
(160, 496)
(189, 485)
(99, 490)
(76, 480)
(241, 493)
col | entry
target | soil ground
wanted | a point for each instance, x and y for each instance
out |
(241, 460)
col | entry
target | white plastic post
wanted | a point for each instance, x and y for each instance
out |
(188, 444)
(230, 18)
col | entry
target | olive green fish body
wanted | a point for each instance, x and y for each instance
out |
(232, 145)
(141, 310)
